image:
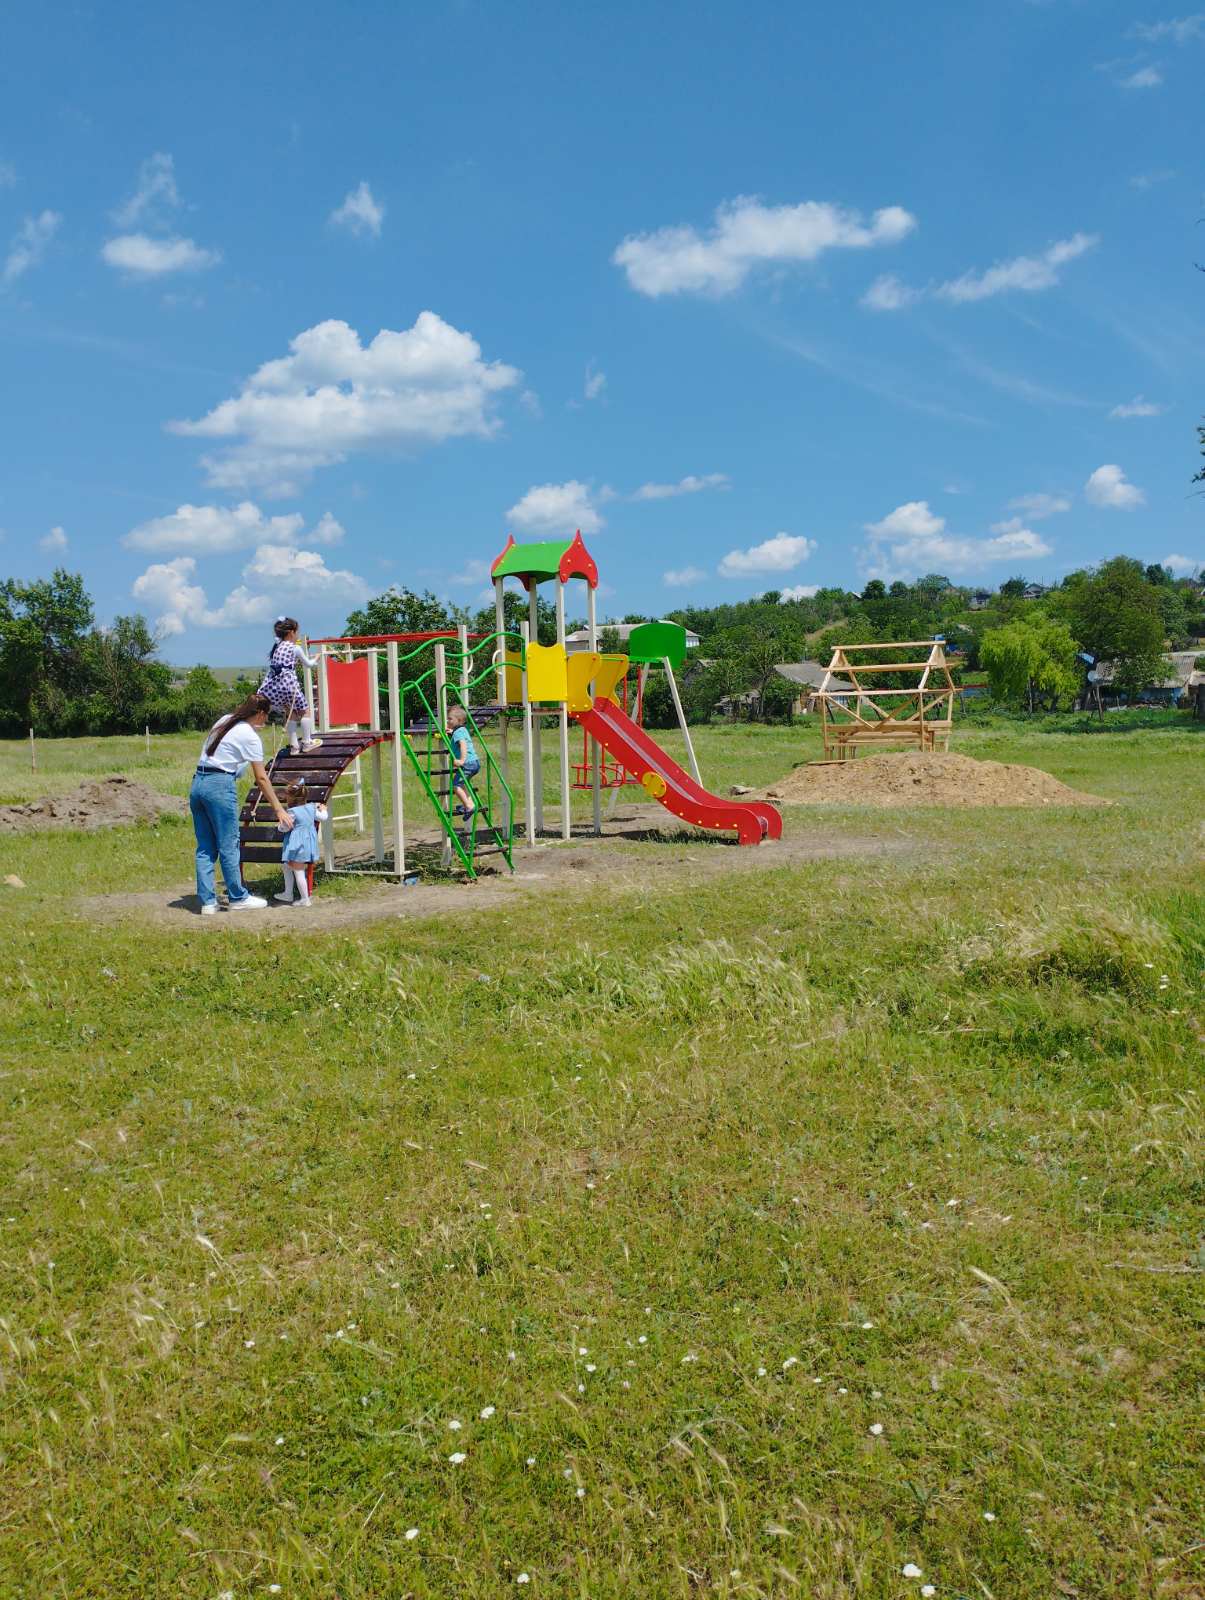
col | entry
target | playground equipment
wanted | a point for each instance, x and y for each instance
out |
(360, 714)
(854, 714)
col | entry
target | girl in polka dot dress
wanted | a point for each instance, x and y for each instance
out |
(282, 686)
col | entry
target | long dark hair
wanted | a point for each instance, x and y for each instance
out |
(251, 706)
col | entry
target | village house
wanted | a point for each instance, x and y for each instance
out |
(580, 638)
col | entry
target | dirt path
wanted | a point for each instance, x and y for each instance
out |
(640, 847)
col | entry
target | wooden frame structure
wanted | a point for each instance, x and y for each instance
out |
(855, 713)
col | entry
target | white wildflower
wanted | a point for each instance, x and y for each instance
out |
(486, 1413)
(989, 1516)
(522, 1578)
(412, 1533)
(456, 1457)
(455, 1426)
(911, 1570)
(928, 1589)
(867, 1325)
(876, 1428)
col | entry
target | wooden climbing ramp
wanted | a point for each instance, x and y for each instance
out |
(259, 837)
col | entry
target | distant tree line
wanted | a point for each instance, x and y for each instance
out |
(1029, 639)
(61, 673)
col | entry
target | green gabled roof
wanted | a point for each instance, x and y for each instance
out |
(541, 559)
(546, 558)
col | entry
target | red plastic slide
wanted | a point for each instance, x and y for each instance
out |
(628, 743)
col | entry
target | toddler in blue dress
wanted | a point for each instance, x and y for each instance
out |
(300, 848)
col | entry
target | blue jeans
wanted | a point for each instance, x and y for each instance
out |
(214, 806)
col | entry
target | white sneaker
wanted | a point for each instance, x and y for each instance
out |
(251, 902)
(285, 899)
(210, 910)
(305, 904)
(314, 744)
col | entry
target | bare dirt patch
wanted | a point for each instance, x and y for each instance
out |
(906, 778)
(113, 802)
(641, 848)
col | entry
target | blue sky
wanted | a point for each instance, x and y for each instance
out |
(299, 301)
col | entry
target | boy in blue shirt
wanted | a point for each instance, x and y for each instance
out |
(465, 761)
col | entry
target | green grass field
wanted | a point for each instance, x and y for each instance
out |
(771, 1233)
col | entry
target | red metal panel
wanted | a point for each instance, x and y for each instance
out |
(350, 689)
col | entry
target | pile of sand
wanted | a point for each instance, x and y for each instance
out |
(100, 803)
(907, 778)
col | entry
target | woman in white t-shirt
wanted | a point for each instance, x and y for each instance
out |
(231, 746)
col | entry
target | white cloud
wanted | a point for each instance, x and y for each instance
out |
(277, 571)
(1178, 29)
(1148, 180)
(1144, 78)
(683, 577)
(912, 520)
(783, 553)
(53, 542)
(153, 251)
(747, 234)
(911, 540)
(1024, 273)
(305, 574)
(8, 175)
(156, 194)
(360, 212)
(888, 293)
(595, 383)
(556, 510)
(166, 587)
(1182, 566)
(206, 530)
(688, 485)
(799, 591)
(472, 574)
(29, 244)
(1138, 407)
(332, 396)
(1037, 506)
(145, 257)
(1109, 488)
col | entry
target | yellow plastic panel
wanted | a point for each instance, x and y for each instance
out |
(547, 678)
(581, 667)
(513, 663)
(611, 671)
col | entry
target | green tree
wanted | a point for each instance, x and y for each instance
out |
(1031, 657)
(400, 610)
(515, 612)
(1115, 614)
(43, 628)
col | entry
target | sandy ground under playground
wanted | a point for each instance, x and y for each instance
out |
(640, 848)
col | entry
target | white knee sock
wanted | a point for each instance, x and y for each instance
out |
(307, 729)
(301, 879)
(291, 732)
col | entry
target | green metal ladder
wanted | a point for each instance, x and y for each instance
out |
(433, 766)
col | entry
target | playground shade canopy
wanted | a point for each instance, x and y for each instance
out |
(546, 558)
